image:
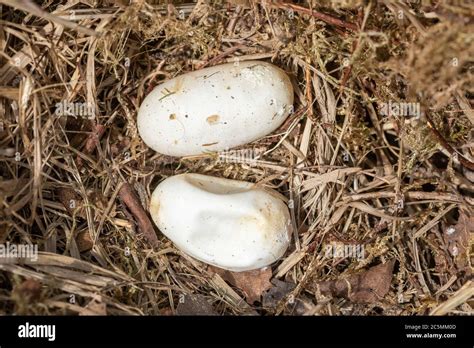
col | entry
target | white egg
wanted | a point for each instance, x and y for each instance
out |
(215, 108)
(226, 223)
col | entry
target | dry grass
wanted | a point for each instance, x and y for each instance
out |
(393, 184)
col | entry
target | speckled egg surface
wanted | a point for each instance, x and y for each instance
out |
(216, 108)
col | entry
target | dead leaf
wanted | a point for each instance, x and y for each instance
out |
(252, 283)
(11, 187)
(84, 241)
(278, 292)
(243, 3)
(442, 265)
(71, 200)
(166, 312)
(3, 230)
(28, 291)
(303, 306)
(366, 287)
(195, 304)
(457, 239)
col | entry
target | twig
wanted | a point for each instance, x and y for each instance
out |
(418, 195)
(459, 297)
(97, 131)
(464, 161)
(92, 141)
(322, 16)
(131, 200)
(221, 56)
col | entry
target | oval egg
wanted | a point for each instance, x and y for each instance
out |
(216, 108)
(227, 223)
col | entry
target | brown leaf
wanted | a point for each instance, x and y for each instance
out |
(3, 229)
(71, 200)
(243, 3)
(29, 290)
(74, 203)
(195, 305)
(84, 241)
(457, 239)
(252, 283)
(166, 311)
(277, 293)
(11, 187)
(92, 141)
(366, 287)
(442, 266)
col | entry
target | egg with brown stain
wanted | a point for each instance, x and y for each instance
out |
(215, 108)
(231, 224)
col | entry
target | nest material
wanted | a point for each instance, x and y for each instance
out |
(76, 182)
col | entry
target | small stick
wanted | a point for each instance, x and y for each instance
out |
(233, 20)
(322, 16)
(221, 56)
(128, 196)
(464, 161)
(92, 141)
(97, 132)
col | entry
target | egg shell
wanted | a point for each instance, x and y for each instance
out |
(227, 223)
(216, 108)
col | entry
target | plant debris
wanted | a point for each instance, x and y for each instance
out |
(278, 292)
(252, 283)
(195, 305)
(366, 287)
(375, 161)
(457, 239)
